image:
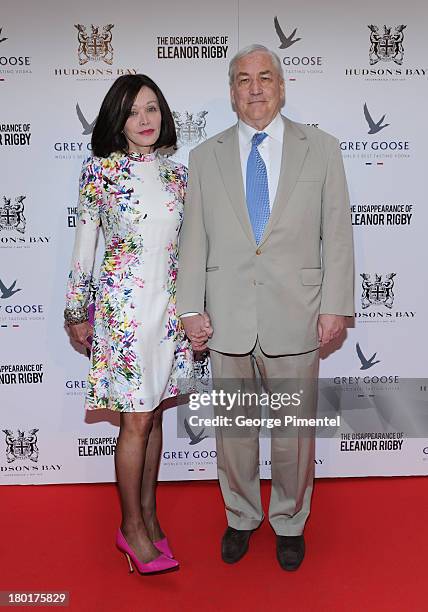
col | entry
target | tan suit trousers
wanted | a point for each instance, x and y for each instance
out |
(292, 449)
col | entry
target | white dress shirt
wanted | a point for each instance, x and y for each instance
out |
(270, 150)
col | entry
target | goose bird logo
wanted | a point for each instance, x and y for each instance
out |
(366, 364)
(286, 41)
(374, 127)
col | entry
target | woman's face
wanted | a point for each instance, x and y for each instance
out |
(143, 125)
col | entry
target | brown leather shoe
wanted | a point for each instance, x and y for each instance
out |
(234, 544)
(290, 551)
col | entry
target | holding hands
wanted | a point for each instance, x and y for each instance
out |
(198, 329)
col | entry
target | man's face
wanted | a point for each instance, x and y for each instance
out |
(257, 91)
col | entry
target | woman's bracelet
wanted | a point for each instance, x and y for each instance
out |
(76, 315)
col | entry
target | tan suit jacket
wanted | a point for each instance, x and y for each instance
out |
(303, 265)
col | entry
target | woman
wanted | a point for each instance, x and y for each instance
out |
(139, 350)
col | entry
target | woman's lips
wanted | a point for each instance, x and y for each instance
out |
(146, 132)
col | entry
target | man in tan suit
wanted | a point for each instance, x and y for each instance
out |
(266, 248)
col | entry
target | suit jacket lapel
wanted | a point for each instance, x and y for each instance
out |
(229, 162)
(294, 150)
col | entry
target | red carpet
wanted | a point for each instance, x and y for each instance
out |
(366, 550)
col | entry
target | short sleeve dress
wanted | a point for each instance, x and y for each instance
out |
(140, 354)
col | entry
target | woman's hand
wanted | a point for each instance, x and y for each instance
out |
(80, 332)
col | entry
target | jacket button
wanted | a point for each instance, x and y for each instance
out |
(258, 252)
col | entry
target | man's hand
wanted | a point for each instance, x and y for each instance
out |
(198, 329)
(330, 327)
(80, 332)
(207, 323)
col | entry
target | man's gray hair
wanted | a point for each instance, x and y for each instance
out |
(250, 49)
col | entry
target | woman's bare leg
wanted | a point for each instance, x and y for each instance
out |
(130, 459)
(150, 478)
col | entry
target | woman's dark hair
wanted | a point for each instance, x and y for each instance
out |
(107, 136)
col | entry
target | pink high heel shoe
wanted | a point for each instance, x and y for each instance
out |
(158, 565)
(163, 547)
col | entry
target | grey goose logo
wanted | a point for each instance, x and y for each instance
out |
(7, 292)
(374, 127)
(286, 41)
(4, 38)
(366, 364)
(194, 438)
(87, 127)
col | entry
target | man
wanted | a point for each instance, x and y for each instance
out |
(266, 243)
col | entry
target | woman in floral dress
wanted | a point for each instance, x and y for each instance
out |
(139, 350)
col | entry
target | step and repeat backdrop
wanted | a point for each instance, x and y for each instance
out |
(358, 71)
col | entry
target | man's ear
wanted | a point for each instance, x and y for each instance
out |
(282, 86)
(232, 99)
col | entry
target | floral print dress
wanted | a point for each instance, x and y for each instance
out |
(139, 351)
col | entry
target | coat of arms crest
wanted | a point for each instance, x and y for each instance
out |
(190, 128)
(12, 215)
(379, 292)
(21, 446)
(96, 45)
(388, 46)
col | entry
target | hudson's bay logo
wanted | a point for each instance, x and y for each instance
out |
(374, 152)
(388, 46)
(190, 127)
(366, 364)
(8, 292)
(21, 446)
(87, 127)
(12, 215)
(95, 55)
(378, 298)
(377, 292)
(386, 56)
(22, 454)
(96, 45)
(13, 225)
(299, 63)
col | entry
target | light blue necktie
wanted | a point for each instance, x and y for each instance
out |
(257, 188)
